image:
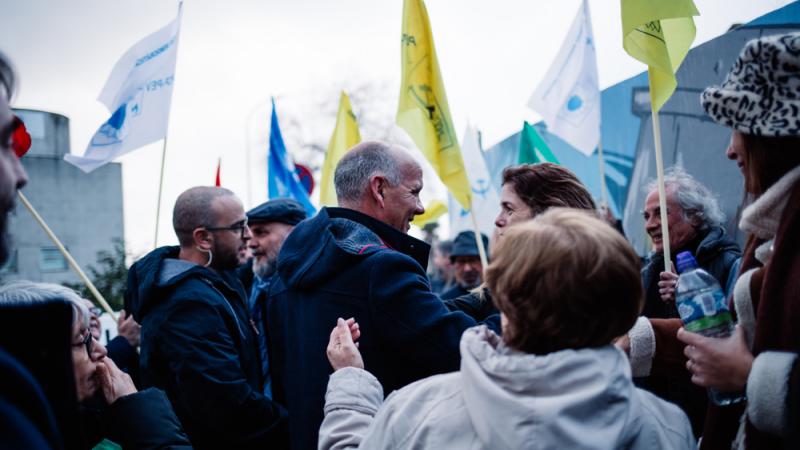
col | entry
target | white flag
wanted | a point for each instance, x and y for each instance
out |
(485, 200)
(569, 96)
(138, 95)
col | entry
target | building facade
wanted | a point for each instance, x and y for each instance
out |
(83, 210)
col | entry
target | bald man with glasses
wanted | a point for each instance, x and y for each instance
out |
(198, 341)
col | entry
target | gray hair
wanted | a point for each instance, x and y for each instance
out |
(193, 210)
(700, 206)
(359, 164)
(7, 77)
(29, 292)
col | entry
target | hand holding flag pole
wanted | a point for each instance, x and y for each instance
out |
(659, 34)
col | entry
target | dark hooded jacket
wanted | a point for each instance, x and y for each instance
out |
(718, 255)
(342, 263)
(198, 345)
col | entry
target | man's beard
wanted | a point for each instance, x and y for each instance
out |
(470, 283)
(265, 268)
(224, 260)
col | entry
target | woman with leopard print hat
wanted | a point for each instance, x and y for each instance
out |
(760, 100)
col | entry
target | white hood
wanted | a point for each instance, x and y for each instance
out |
(567, 399)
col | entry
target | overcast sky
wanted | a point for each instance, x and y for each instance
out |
(234, 55)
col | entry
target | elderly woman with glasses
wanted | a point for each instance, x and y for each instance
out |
(111, 407)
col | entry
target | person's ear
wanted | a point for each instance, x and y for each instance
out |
(202, 239)
(377, 187)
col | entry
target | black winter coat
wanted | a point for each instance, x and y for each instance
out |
(142, 420)
(198, 345)
(342, 263)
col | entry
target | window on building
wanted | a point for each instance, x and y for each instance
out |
(51, 260)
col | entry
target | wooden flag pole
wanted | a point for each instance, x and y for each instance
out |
(478, 240)
(160, 187)
(602, 161)
(67, 256)
(662, 196)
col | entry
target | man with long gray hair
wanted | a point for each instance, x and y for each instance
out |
(695, 222)
(357, 262)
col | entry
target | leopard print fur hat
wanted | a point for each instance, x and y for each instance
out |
(761, 94)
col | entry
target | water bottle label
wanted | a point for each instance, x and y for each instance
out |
(708, 302)
(704, 310)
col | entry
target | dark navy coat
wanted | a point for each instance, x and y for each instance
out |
(342, 263)
(199, 346)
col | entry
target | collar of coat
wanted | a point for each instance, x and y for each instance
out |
(391, 237)
(763, 216)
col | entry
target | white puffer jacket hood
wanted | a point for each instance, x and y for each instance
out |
(577, 398)
(505, 399)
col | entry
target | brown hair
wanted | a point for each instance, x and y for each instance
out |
(767, 159)
(545, 185)
(564, 280)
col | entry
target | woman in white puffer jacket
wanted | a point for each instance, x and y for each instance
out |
(566, 284)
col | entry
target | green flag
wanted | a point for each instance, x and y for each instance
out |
(659, 34)
(532, 148)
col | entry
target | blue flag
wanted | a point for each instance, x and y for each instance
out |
(283, 180)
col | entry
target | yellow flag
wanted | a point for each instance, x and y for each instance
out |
(433, 211)
(423, 110)
(659, 34)
(345, 136)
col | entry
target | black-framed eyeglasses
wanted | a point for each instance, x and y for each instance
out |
(86, 342)
(241, 226)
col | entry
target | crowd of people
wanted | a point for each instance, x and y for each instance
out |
(270, 329)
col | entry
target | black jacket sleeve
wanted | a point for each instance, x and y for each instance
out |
(125, 357)
(473, 305)
(211, 383)
(412, 317)
(145, 420)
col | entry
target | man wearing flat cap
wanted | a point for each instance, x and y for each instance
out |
(269, 224)
(467, 264)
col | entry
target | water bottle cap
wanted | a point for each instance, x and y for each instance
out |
(686, 262)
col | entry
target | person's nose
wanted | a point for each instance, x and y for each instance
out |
(731, 152)
(419, 209)
(652, 222)
(500, 221)
(246, 233)
(252, 243)
(19, 172)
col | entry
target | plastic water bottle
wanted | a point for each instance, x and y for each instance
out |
(703, 310)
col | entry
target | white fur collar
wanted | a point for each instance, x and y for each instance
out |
(762, 217)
